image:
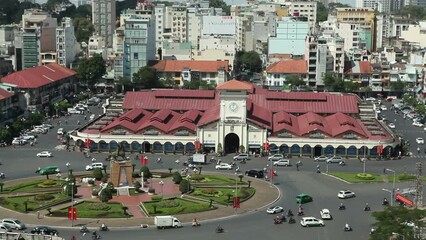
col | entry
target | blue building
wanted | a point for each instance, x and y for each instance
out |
(290, 37)
(139, 43)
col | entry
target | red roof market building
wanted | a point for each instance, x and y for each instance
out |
(42, 85)
(239, 116)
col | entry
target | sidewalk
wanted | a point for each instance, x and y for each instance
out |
(265, 195)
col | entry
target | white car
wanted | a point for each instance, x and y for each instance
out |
(420, 141)
(242, 156)
(335, 159)
(371, 99)
(60, 131)
(28, 137)
(94, 165)
(275, 157)
(44, 154)
(19, 141)
(383, 108)
(391, 125)
(311, 222)
(325, 214)
(321, 158)
(417, 124)
(282, 162)
(224, 166)
(345, 194)
(274, 209)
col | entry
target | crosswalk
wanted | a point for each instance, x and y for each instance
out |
(418, 156)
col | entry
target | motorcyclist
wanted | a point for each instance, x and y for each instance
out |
(277, 219)
(385, 202)
(291, 220)
(159, 160)
(104, 227)
(2, 175)
(195, 222)
(347, 227)
(341, 207)
(219, 229)
(300, 212)
(366, 208)
(289, 213)
(418, 150)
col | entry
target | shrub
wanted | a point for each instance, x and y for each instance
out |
(97, 174)
(365, 176)
(95, 192)
(209, 191)
(197, 178)
(104, 179)
(137, 186)
(406, 177)
(98, 206)
(156, 198)
(91, 181)
(184, 186)
(177, 178)
(106, 195)
(49, 182)
(44, 197)
(151, 190)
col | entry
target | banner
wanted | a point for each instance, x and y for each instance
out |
(236, 202)
(72, 213)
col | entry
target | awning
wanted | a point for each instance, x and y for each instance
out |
(208, 145)
(254, 145)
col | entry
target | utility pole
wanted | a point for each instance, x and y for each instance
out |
(418, 198)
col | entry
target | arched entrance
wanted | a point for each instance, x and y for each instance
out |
(232, 143)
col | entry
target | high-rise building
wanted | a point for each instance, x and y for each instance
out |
(66, 43)
(420, 3)
(139, 43)
(290, 37)
(304, 9)
(367, 3)
(103, 19)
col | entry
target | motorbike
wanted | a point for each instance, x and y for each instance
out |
(385, 203)
(103, 228)
(219, 229)
(342, 207)
(96, 236)
(196, 224)
(367, 208)
(290, 213)
(84, 229)
(291, 220)
(277, 221)
(342, 163)
(283, 219)
(347, 228)
(301, 213)
(2, 176)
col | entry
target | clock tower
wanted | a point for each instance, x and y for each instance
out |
(233, 112)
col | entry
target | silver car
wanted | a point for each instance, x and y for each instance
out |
(335, 159)
(13, 223)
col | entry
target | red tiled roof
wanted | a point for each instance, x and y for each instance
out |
(198, 65)
(358, 67)
(4, 94)
(235, 85)
(288, 66)
(38, 76)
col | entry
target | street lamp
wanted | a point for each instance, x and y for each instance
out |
(393, 186)
(161, 184)
(236, 190)
(72, 201)
(58, 175)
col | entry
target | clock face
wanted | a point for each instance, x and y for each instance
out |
(233, 106)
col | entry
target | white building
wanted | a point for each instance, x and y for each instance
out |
(218, 25)
(305, 9)
(66, 43)
(367, 3)
(352, 33)
(415, 33)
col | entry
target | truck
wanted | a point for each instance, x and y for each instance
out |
(167, 222)
(199, 158)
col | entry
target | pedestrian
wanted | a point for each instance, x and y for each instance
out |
(384, 170)
(297, 166)
(85, 117)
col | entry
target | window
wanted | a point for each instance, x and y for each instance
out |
(135, 55)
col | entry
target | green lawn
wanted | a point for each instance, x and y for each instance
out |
(176, 206)
(88, 209)
(221, 195)
(214, 179)
(351, 177)
(18, 203)
(29, 186)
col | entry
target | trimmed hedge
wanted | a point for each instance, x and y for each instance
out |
(44, 197)
(365, 176)
(406, 177)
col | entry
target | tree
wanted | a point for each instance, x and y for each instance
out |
(413, 12)
(248, 61)
(97, 174)
(125, 83)
(294, 80)
(177, 178)
(168, 81)
(106, 195)
(397, 86)
(8, 11)
(184, 186)
(146, 78)
(83, 29)
(146, 173)
(83, 11)
(1, 186)
(52, 5)
(91, 70)
(220, 4)
(394, 219)
(322, 12)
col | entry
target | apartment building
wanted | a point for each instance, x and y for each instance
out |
(360, 19)
(66, 43)
(306, 9)
(290, 37)
(103, 19)
(367, 3)
(415, 34)
(178, 23)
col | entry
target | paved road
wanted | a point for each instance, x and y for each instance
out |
(21, 162)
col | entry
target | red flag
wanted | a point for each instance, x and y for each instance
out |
(88, 142)
(72, 213)
(236, 202)
(272, 173)
(142, 159)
